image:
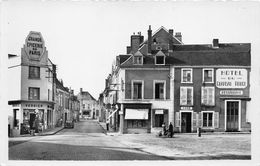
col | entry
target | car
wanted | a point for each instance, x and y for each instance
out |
(69, 124)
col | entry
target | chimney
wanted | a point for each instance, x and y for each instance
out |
(215, 43)
(149, 44)
(136, 40)
(178, 36)
(81, 90)
(171, 40)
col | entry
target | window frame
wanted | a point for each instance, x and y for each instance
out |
(164, 89)
(212, 121)
(132, 89)
(30, 75)
(207, 104)
(192, 92)
(203, 78)
(155, 59)
(138, 56)
(29, 90)
(191, 79)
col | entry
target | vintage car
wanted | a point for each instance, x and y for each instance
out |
(69, 124)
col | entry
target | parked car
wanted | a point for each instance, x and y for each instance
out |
(69, 124)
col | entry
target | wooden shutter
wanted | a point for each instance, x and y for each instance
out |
(194, 121)
(183, 96)
(177, 119)
(216, 120)
(211, 96)
(203, 95)
(200, 119)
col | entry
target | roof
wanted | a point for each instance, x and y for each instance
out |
(86, 95)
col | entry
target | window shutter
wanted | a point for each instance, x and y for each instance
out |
(194, 121)
(203, 95)
(183, 96)
(191, 95)
(177, 119)
(211, 96)
(199, 119)
(216, 120)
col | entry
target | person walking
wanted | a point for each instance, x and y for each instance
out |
(171, 129)
(107, 123)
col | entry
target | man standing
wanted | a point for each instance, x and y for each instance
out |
(171, 129)
(107, 123)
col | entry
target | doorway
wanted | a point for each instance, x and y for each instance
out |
(32, 119)
(232, 116)
(185, 122)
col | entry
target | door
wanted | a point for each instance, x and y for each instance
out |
(32, 119)
(186, 122)
(232, 108)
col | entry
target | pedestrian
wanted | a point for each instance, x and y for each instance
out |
(107, 123)
(171, 129)
(163, 128)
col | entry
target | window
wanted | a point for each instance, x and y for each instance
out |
(136, 124)
(208, 75)
(137, 90)
(207, 118)
(208, 96)
(186, 95)
(34, 72)
(34, 93)
(138, 60)
(159, 90)
(186, 75)
(159, 60)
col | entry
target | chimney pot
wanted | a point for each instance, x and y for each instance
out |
(215, 43)
(81, 89)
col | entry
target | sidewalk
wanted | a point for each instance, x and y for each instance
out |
(111, 130)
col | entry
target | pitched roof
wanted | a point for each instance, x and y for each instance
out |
(86, 95)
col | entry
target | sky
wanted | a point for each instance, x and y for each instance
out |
(84, 37)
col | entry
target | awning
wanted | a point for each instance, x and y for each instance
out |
(136, 113)
(112, 113)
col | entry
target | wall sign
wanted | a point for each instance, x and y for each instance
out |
(231, 92)
(34, 45)
(231, 78)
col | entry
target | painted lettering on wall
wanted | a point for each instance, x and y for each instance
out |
(34, 45)
(231, 78)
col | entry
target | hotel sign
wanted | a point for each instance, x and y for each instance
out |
(231, 78)
(231, 92)
(34, 45)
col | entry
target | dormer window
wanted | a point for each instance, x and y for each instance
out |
(159, 60)
(138, 60)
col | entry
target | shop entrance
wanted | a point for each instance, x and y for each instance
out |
(185, 122)
(32, 119)
(232, 115)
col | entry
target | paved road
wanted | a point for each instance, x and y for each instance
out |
(85, 142)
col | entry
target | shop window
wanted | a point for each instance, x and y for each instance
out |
(34, 72)
(138, 60)
(208, 96)
(34, 93)
(186, 96)
(137, 92)
(159, 90)
(159, 119)
(207, 119)
(186, 75)
(136, 124)
(208, 75)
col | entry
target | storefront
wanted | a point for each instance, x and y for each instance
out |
(29, 116)
(136, 118)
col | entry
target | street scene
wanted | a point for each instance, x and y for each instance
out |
(89, 81)
(88, 140)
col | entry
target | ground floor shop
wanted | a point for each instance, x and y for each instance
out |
(28, 116)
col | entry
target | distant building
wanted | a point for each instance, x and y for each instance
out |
(87, 104)
(161, 80)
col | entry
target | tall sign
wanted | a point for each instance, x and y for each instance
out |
(231, 78)
(34, 45)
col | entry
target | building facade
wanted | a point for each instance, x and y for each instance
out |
(32, 93)
(87, 104)
(161, 80)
